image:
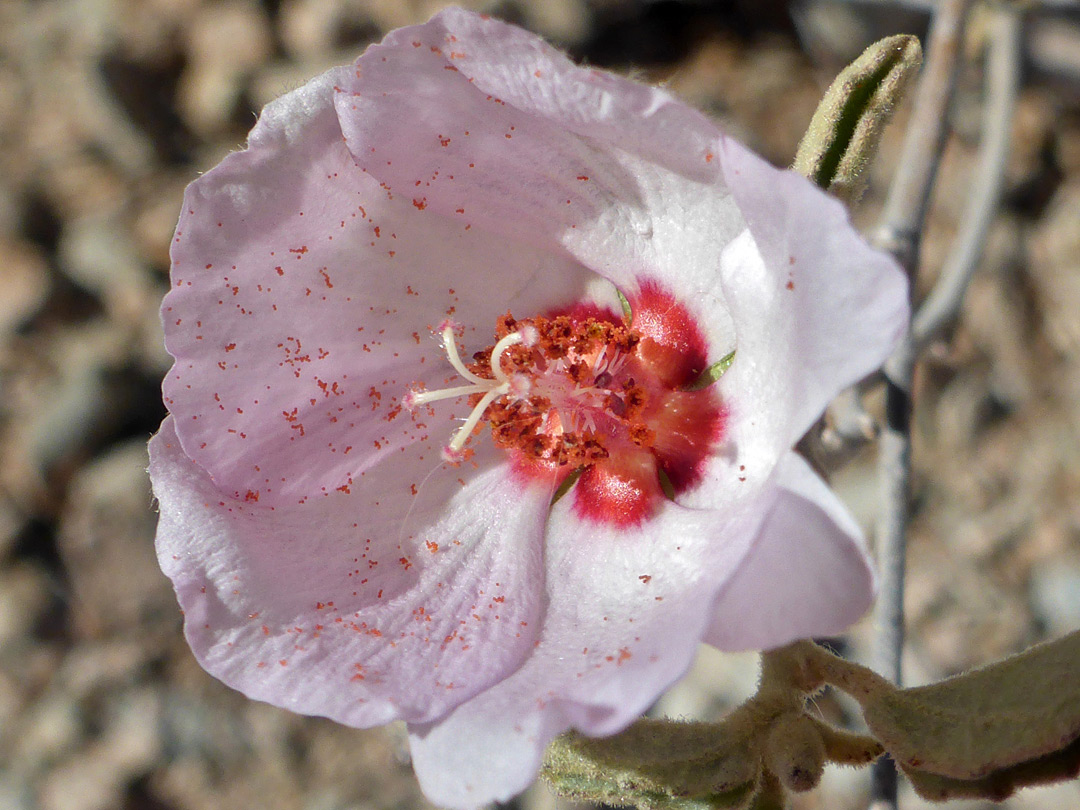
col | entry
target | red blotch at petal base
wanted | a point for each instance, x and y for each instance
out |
(578, 389)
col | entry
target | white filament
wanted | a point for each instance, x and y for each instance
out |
(491, 389)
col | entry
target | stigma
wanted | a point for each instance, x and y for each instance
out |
(583, 392)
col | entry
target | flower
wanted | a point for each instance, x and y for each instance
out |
(398, 326)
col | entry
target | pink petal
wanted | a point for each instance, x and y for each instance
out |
(512, 71)
(814, 307)
(808, 574)
(332, 608)
(453, 116)
(624, 619)
(463, 168)
(303, 301)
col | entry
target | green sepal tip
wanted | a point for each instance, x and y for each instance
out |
(712, 373)
(627, 310)
(846, 129)
(566, 485)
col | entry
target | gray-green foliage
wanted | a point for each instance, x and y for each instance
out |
(657, 765)
(750, 759)
(988, 732)
(845, 131)
(983, 734)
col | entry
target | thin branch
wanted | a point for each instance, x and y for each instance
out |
(899, 232)
(902, 219)
(928, 5)
(848, 426)
(1003, 85)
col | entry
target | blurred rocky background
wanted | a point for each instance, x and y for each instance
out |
(109, 107)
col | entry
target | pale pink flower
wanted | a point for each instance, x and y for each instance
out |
(345, 543)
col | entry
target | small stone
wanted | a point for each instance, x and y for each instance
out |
(24, 599)
(97, 253)
(15, 794)
(225, 43)
(51, 730)
(106, 543)
(309, 28)
(83, 783)
(93, 668)
(1055, 595)
(1053, 268)
(24, 275)
(97, 777)
(158, 208)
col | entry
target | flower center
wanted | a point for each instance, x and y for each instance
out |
(551, 389)
(583, 392)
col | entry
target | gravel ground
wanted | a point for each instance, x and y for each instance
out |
(109, 107)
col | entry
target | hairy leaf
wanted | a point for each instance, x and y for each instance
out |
(1002, 783)
(1023, 711)
(659, 764)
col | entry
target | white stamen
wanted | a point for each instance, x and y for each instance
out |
(517, 385)
(497, 352)
(617, 362)
(455, 359)
(414, 398)
(461, 435)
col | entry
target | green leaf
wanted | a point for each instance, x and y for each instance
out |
(612, 790)
(846, 128)
(979, 725)
(747, 761)
(712, 373)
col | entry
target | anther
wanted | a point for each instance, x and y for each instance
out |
(491, 389)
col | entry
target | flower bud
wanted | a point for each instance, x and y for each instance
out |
(795, 752)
